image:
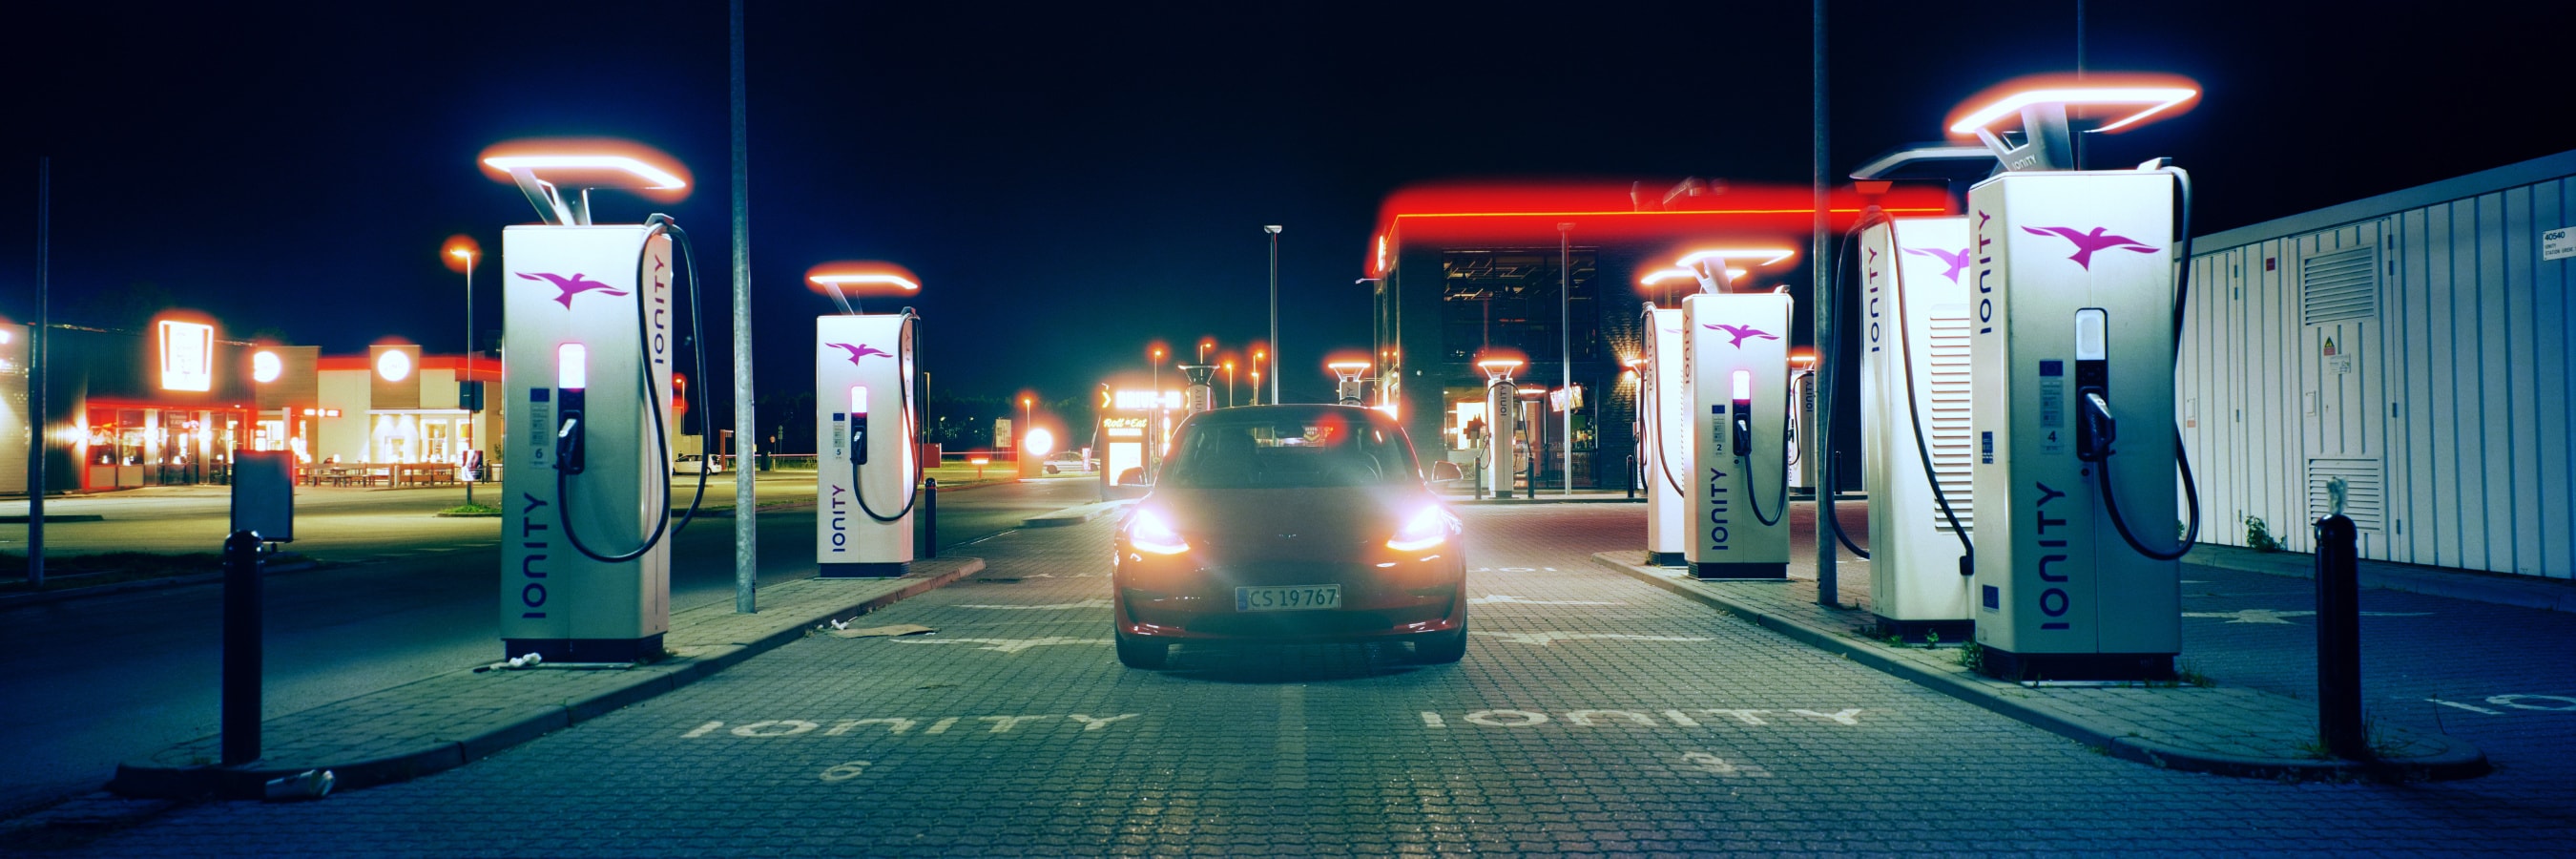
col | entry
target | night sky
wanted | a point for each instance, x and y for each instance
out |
(1072, 181)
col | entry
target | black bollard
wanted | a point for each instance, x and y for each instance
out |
(2339, 638)
(239, 709)
(930, 518)
(1632, 477)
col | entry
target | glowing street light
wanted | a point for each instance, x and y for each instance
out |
(462, 247)
(1229, 383)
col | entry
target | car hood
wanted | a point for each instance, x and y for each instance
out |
(1287, 521)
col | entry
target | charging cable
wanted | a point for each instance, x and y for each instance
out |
(903, 392)
(2097, 421)
(568, 441)
(1828, 362)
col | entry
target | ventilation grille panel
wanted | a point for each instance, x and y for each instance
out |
(1947, 418)
(2339, 285)
(2365, 492)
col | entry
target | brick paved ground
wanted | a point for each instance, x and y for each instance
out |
(1594, 715)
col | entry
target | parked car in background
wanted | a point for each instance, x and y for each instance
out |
(692, 463)
(1064, 461)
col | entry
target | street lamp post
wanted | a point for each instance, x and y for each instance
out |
(1273, 230)
(1257, 356)
(1154, 425)
(472, 431)
(1229, 383)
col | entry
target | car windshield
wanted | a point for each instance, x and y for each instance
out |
(1299, 448)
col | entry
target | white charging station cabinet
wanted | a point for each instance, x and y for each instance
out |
(571, 306)
(863, 402)
(2059, 594)
(1738, 369)
(1915, 314)
(1666, 410)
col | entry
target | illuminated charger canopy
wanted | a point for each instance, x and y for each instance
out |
(846, 278)
(542, 167)
(2046, 105)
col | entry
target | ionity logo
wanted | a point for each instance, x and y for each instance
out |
(859, 351)
(572, 286)
(1958, 262)
(2087, 243)
(1742, 333)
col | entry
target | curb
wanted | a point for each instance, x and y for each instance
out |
(47, 597)
(54, 517)
(1505, 502)
(1076, 515)
(145, 779)
(2452, 759)
(2492, 588)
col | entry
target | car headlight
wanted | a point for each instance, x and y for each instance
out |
(1426, 529)
(1149, 533)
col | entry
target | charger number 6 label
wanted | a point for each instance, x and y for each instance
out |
(845, 771)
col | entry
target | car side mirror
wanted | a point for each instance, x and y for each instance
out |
(1446, 470)
(1133, 477)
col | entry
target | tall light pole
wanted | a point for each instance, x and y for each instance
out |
(1273, 230)
(1565, 340)
(1229, 383)
(472, 431)
(1154, 425)
(1257, 355)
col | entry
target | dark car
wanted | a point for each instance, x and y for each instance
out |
(1289, 523)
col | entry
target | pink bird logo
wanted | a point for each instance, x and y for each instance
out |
(572, 286)
(859, 351)
(1742, 333)
(1958, 262)
(2087, 243)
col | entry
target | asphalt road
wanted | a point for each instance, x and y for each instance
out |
(402, 595)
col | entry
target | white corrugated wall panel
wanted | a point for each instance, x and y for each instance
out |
(2464, 393)
(2554, 390)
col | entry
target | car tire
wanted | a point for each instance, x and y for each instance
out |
(1051, 469)
(1444, 647)
(1141, 652)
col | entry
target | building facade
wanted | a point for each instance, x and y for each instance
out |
(2413, 344)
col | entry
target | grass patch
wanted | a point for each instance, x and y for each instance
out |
(89, 570)
(471, 510)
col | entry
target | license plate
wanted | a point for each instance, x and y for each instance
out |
(1298, 598)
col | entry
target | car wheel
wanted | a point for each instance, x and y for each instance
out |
(1140, 652)
(1050, 469)
(1443, 647)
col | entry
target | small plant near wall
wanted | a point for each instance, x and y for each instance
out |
(2258, 536)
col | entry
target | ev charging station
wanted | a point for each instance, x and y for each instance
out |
(1666, 434)
(866, 466)
(863, 396)
(1915, 398)
(1736, 366)
(588, 315)
(2074, 285)
(1501, 463)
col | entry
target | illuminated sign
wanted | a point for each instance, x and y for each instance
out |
(187, 356)
(393, 365)
(1123, 427)
(265, 366)
(1135, 401)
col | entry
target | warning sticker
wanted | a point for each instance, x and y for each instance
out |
(2338, 359)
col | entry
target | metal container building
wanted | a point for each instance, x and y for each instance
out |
(2412, 343)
